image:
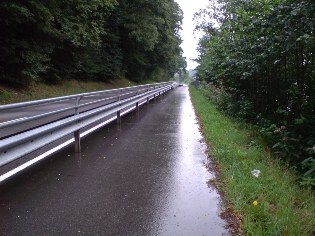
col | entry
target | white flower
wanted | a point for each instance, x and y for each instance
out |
(255, 172)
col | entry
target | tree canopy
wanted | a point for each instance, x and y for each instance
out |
(55, 40)
(257, 58)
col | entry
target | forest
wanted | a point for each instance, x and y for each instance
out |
(52, 40)
(256, 61)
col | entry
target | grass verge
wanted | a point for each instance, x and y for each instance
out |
(272, 203)
(41, 90)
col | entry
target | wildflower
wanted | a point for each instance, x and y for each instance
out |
(255, 203)
(255, 172)
(283, 127)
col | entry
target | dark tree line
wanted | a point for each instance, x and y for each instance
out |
(56, 40)
(258, 61)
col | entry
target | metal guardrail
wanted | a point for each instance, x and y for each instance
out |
(62, 107)
(21, 136)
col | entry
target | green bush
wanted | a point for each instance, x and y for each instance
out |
(288, 141)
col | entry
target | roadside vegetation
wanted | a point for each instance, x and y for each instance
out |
(260, 188)
(257, 62)
(98, 40)
(41, 90)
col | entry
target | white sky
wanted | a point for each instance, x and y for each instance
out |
(190, 40)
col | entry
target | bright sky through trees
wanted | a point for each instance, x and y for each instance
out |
(190, 40)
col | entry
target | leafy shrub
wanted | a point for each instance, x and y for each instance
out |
(258, 62)
(287, 140)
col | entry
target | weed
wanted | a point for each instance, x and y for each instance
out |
(67, 84)
(4, 95)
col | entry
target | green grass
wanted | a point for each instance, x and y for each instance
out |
(284, 208)
(5, 95)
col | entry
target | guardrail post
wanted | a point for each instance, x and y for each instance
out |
(155, 87)
(77, 143)
(118, 118)
(118, 112)
(148, 100)
(77, 138)
(119, 96)
(137, 106)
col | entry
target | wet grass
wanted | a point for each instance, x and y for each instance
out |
(284, 208)
(40, 90)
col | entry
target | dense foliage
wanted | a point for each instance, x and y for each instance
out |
(257, 60)
(55, 40)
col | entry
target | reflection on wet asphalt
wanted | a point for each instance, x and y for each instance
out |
(148, 177)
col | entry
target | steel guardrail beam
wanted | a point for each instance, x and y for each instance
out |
(63, 98)
(19, 145)
(73, 103)
(31, 118)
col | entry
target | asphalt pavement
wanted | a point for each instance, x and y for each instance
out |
(148, 176)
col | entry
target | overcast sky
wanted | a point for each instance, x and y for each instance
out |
(189, 39)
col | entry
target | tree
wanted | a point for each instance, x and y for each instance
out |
(261, 60)
(49, 39)
(149, 31)
(53, 40)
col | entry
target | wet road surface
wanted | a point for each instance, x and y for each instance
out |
(148, 177)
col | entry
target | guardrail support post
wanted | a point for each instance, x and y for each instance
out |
(77, 138)
(137, 106)
(118, 118)
(148, 100)
(77, 141)
(120, 92)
